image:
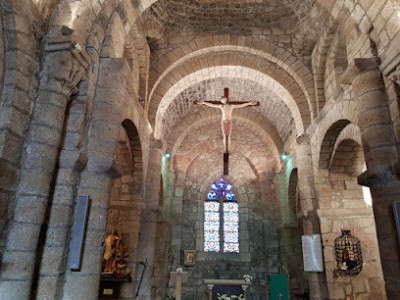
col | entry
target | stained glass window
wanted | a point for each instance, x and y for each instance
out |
(229, 216)
(231, 227)
(211, 226)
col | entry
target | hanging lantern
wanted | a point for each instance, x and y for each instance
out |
(348, 254)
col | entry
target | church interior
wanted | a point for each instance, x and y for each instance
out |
(199, 149)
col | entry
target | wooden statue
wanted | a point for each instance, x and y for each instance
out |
(115, 256)
(110, 250)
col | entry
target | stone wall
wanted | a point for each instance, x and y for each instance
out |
(259, 220)
(62, 144)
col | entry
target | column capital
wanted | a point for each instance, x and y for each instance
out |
(382, 175)
(357, 66)
(64, 64)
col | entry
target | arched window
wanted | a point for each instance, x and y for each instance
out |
(225, 220)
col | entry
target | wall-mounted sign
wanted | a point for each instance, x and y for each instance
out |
(312, 253)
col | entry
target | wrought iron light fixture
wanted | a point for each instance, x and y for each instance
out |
(348, 254)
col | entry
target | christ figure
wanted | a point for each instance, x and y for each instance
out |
(226, 107)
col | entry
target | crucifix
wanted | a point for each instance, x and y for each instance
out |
(180, 277)
(226, 123)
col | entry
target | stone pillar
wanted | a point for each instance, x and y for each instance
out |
(381, 155)
(96, 178)
(148, 226)
(374, 120)
(63, 68)
(311, 224)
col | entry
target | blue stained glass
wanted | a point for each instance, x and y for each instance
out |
(221, 193)
(230, 196)
(230, 219)
(221, 185)
(212, 195)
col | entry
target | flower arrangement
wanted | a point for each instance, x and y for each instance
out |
(171, 294)
(230, 297)
(247, 278)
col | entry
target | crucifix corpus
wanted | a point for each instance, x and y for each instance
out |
(226, 123)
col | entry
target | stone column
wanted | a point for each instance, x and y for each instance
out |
(148, 226)
(96, 178)
(381, 155)
(311, 224)
(63, 67)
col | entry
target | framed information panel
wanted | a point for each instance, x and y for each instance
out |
(312, 253)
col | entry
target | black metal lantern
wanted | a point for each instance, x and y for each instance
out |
(348, 254)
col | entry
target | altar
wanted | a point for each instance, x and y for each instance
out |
(226, 286)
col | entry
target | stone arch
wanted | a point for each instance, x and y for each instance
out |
(251, 59)
(336, 64)
(182, 163)
(319, 64)
(125, 203)
(328, 143)
(267, 132)
(273, 114)
(349, 132)
(136, 148)
(238, 45)
(291, 232)
(341, 205)
(270, 147)
(340, 113)
(301, 118)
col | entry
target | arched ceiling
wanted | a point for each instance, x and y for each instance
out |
(223, 15)
(208, 168)
(271, 108)
(259, 151)
(257, 50)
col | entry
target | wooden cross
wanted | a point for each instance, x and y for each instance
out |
(226, 95)
(226, 123)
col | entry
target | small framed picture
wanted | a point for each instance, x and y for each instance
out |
(190, 257)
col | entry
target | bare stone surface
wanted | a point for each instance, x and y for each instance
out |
(95, 94)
